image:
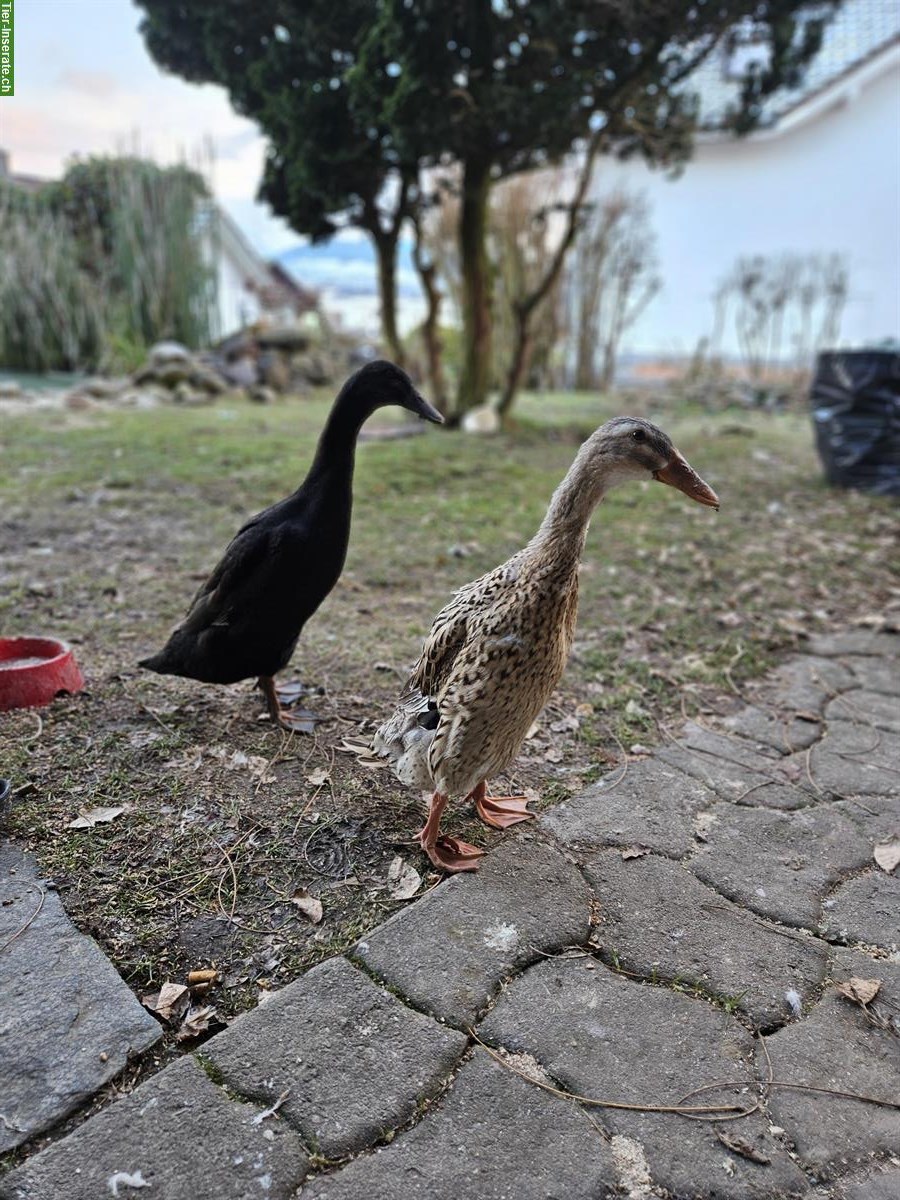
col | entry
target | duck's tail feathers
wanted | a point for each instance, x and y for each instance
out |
(404, 739)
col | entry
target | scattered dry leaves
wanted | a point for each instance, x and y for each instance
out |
(89, 817)
(860, 991)
(196, 1021)
(310, 906)
(403, 879)
(887, 855)
(170, 1003)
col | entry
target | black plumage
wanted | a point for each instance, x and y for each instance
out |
(246, 618)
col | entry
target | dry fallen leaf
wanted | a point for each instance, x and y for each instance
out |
(887, 855)
(196, 1021)
(860, 991)
(310, 906)
(89, 817)
(170, 1002)
(318, 777)
(634, 852)
(403, 879)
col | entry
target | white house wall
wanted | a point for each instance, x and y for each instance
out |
(237, 306)
(829, 185)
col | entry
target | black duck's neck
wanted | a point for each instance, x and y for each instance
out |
(337, 442)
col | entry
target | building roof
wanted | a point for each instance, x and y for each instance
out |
(858, 32)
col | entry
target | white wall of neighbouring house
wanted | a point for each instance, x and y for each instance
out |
(830, 184)
(237, 304)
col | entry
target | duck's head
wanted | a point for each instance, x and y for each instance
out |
(380, 383)
(632, 448)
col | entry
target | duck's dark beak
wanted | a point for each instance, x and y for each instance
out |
(420, 406)
(679, 473)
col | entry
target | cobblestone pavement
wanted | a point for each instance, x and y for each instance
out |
(681, 925)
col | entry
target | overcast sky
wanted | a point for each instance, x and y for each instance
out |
(86, 85)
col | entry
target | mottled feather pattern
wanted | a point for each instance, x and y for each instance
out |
(493, 657)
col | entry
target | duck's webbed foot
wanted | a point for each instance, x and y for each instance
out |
(499, 811)
(445, 852)
(453, 855)
(294, 720)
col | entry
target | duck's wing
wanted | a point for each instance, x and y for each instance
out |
(245, 553)
(407, 734)
(445, 639)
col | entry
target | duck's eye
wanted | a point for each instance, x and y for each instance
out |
(639, 435)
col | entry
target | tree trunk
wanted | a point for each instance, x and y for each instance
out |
(386, 251)
(476, 287)
(520, 359)
(431, 325)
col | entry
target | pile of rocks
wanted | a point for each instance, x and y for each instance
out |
(260, 362)
(273, 359)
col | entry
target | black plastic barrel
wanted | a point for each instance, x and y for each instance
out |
(856, 412)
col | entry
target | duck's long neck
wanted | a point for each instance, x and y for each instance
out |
(560, 539)
(332, 465)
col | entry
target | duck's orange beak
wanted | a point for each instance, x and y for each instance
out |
(679, 473)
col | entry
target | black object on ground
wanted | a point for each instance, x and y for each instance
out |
(856, 412)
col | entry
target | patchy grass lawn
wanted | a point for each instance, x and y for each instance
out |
(109, 519)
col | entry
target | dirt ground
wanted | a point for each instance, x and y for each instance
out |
(225, 826)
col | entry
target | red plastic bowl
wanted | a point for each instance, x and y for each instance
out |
(33, 671)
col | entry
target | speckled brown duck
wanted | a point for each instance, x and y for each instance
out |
(496, 652)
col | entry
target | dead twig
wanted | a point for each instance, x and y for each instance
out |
(712, 1111)
(9, 941)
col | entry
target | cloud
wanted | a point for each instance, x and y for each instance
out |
(99, 84)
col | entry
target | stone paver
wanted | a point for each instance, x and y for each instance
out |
(176, 1137)
(350, 1058)
(872, 708)
(448, 953)
(660, 921)
(68, 1023)
(728, 746)
(806, 683)
(651, 805)
(493, 1137)
(865, 909)
(785, 733)
(837, 1047)
(774, 786)
(855, 641)
(779, 864)
(882, 1185)
(607, 1037)
(850, 761)
(876, 674)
